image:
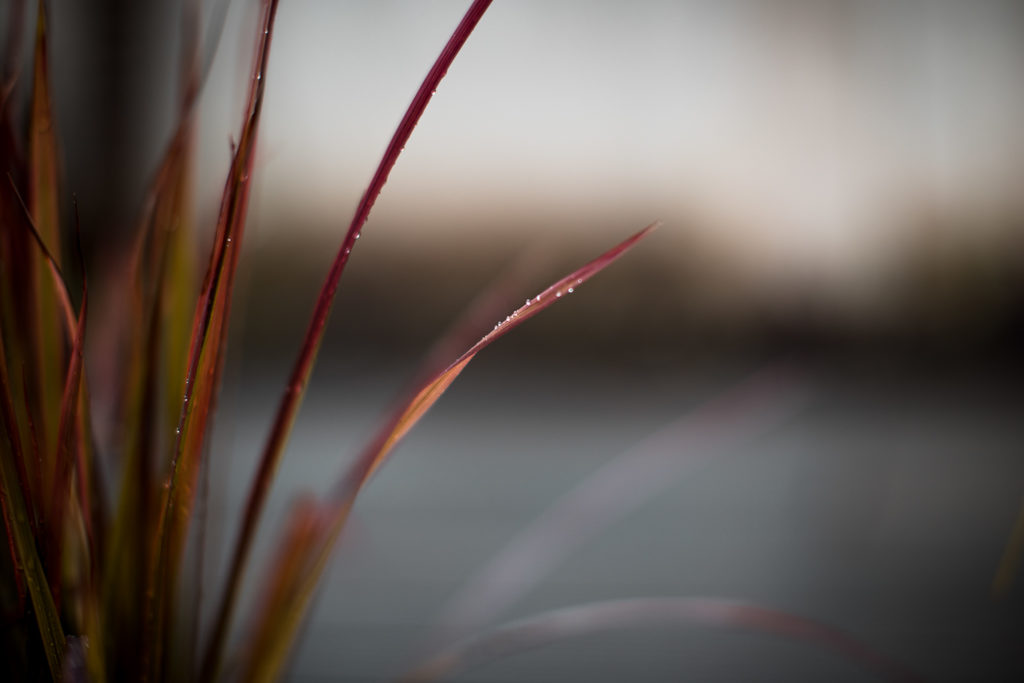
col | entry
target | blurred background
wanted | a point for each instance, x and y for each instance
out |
(840, 185)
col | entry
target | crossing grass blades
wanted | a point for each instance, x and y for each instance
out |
(94, 584)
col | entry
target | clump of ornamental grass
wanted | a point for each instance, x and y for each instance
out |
(101, 585)
(93, 584)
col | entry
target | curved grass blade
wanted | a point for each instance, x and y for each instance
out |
(303, 367)
(399, 425)
(60, 284)
(734, 417)
(74, 460)
(581, 620)
(300, 571)
(67, 455)
(34, 469)
(209, 332)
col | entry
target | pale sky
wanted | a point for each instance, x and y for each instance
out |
(806, 135)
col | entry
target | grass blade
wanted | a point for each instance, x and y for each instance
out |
(303, 367)
(209, 330)
(43, 198)
(162, 289)
(570, 622)
(287, 581)
(47, 619)
(67, 455)
(734, 417)
(402, 421)
(280, 616)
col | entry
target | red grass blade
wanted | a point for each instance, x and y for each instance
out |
(68, 446)
(205, 359)
(50, 629)
(301, 570)
(364, 467)
(35, 476)
(303, 367)
(60, 283)
(734, 417)
(570, 622)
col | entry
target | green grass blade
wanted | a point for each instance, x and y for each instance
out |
(43, 198)
(161, 283)
(303, 366)
(570, 622)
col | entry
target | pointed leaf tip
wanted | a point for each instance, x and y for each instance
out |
(406, 418)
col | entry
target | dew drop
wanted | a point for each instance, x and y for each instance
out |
(358, 235)
(558, 295)
(570, 290)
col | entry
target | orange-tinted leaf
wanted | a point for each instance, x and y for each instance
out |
(404, 419)
(267, 650)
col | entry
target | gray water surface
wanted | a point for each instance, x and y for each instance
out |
(881, 507)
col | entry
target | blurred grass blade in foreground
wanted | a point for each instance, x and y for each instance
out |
(570, 622)
(729, 421)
